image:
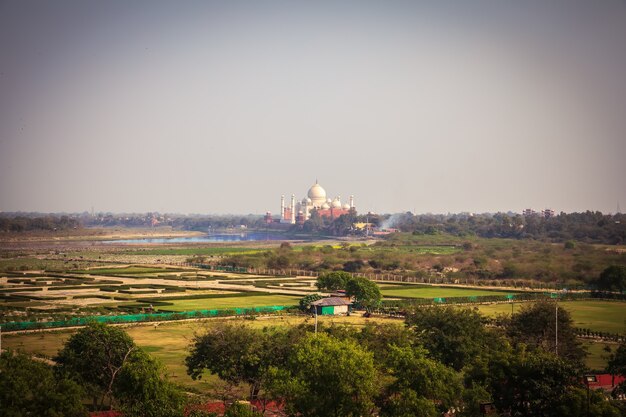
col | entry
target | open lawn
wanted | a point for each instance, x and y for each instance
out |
(597, 359)
(232, 302)
(603, 316)
(433, 292)
(127, 270)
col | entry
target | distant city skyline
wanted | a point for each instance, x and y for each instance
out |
(220, 107)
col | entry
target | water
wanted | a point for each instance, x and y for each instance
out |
(213, 237)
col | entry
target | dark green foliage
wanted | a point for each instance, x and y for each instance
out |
(142, 391)
(530, 383)
(95, 356)
(333, 281)
(365, 292)
(421, 385)
(353, 266)
(612, 278)
(325, 377)
(31, 388)
(454, 336)
(574, 404)
(305, 302)
(239, 354)
(535, 326)
(106, 361)
(617, 366)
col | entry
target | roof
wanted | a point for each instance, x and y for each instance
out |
(606, 381)
(331, 301)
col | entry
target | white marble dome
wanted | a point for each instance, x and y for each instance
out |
(336, 203)
(325, 206)
(346, 206)
(317, 194)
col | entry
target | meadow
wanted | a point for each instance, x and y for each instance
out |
(419, 291)
(232, 302)
(603, 316)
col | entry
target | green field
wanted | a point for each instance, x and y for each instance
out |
(407, 291)
(232, 302)
(602, 316)
(127, 270)
(218, 250)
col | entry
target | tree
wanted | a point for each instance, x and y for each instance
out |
(95, 355)
(612, 278)
(142, 391)
(454, 336)
(326, 377)
(333, 281)
(239, 354)
(305, 302)
(365, 292)
(530, 383)
(575, 401)
(422, 386)
(29, 387)
(617, 365)
(106, 361)
(535, 326)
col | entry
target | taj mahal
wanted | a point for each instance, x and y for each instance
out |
(316, 199)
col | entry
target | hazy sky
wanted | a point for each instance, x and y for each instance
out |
(221, 107)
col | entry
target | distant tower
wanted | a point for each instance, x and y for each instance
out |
(351, 202)
(282, 207)
(293, 209)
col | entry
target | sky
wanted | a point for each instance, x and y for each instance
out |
(220, 107)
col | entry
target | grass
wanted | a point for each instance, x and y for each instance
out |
(432, 292)
(127, 270)
(232, 302)
(221, 250)
(602, 316)
(597, 359)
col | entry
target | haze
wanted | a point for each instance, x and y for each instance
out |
(221, 107)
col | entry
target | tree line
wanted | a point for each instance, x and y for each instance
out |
(588, 226)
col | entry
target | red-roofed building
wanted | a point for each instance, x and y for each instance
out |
(606, 382)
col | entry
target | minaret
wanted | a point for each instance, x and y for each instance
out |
(351, 202)
(282, 207)
(293, 209)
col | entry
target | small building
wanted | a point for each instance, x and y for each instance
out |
(331, 306)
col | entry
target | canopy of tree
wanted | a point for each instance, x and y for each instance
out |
(546, 325)
(31, 388)
(613, 278)
(365, 292)
(113, 370)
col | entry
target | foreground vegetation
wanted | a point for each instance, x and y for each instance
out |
(441, 358)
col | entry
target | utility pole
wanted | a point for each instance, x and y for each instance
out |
(556, 328)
